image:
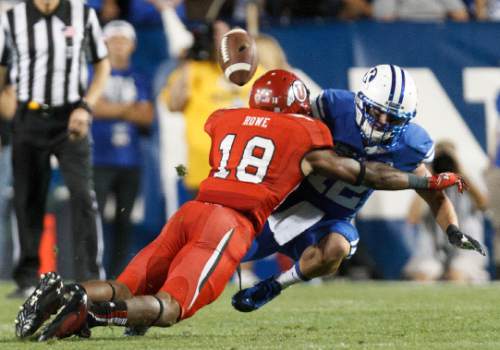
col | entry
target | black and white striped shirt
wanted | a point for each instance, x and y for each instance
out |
(50, 53)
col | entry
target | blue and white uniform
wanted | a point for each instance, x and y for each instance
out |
(116, 142)
(321, 206)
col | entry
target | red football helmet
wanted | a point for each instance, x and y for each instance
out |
(280, 91)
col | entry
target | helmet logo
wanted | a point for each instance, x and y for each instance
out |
(299, 90)
(370, 75)
(296, 92)
(262, 96)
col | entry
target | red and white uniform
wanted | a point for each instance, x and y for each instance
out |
(255, 163)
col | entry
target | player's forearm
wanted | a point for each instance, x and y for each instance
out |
(383, 177)
(441, 207)
(104, 109)
(372, 174)
(102, 70)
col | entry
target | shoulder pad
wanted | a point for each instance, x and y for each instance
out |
(418, 140)
(332, 102)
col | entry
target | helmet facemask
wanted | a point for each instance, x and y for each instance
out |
(373, 133)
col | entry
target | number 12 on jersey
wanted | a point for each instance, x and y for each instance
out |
(254, 161)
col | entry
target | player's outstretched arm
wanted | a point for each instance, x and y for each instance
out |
(446, 217)
(374, 174)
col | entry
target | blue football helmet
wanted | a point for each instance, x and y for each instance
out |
(390, 90)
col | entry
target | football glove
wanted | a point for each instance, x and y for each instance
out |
(444, 180)
(461, 240)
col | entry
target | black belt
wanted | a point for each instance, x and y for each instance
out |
(36, 106)
(45, 110)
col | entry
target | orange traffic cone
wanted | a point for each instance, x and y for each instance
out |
(47, 251)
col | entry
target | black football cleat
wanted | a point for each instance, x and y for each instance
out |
(253, 298)
(40, 305)
(71, 318)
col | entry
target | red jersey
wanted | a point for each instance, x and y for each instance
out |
(255, 158)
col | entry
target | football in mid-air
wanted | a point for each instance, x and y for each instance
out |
(237, 56)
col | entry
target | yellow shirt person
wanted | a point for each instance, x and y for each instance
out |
(206, 90)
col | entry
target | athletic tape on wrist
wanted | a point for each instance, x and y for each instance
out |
(418, 182)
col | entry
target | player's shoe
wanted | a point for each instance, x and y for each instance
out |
(135, 331)
(40, 305)
(71, 318)
(255, 297)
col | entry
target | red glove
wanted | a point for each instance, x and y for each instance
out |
(444, 180)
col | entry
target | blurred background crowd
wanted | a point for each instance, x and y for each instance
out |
(165, 83)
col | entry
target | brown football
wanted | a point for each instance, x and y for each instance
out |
(237, 56)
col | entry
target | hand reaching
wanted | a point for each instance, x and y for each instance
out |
(463, 241)
(444, 180)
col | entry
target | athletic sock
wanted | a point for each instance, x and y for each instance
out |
(292, 276)
(107, 313)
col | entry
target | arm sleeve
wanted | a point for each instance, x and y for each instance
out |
(97, 46)
(179, 38)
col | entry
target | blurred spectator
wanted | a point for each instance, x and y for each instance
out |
(341, 9)
(477, 9)
(121, 113)
(422, 10)
(434, 258)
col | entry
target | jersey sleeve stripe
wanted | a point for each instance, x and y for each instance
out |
(429, 156)
(317, 107)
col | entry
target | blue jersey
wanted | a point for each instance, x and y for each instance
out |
(320, 206)
(337, 199)
(116, 142)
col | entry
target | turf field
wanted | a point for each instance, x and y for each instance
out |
(337, 315)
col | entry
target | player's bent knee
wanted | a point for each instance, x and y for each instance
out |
(170, 310)
(334, 250)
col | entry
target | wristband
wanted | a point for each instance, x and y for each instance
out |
(361, 175)
(418, 182)
(451, 229)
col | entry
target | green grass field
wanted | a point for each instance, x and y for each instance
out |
(339, 315)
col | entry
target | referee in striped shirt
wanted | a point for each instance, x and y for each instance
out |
(51, 42)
